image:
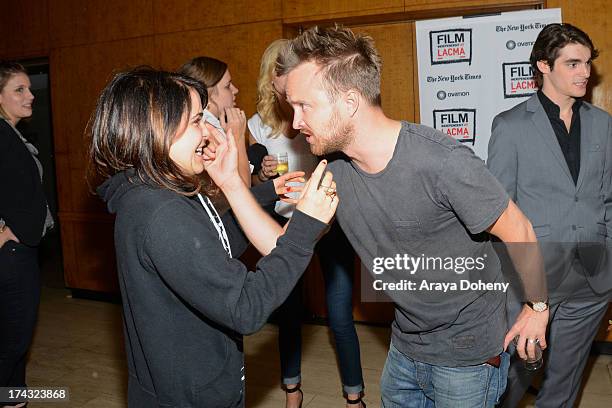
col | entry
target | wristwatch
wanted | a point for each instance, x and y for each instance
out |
(2, 225)
(538, 306)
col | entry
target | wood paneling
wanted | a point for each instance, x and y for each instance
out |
(239, 46)
(89, 252)
(185, 15)
(394, 43)
(594, 18)
(24, 28)
(78, 75)
(442, 5)
(74, 22)
(310, 10)
(64, 186)
(82, 199)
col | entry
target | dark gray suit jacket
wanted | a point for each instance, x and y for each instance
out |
(525, 156)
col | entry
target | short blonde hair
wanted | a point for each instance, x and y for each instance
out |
(268, 106)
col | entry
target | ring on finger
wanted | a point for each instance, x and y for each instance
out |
(330, 191)
(532, 341)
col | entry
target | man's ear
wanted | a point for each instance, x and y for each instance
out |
(544, 67)
(352, 99)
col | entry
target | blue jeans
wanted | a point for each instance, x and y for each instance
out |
(407, 383)
(338, 264)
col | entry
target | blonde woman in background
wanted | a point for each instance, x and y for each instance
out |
(271, 127)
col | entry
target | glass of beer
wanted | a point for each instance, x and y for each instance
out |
(282, 163)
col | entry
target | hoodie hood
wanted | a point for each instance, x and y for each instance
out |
(115, 187)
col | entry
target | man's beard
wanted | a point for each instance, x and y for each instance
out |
(337, 136)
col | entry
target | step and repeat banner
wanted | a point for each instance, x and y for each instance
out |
(472, 68)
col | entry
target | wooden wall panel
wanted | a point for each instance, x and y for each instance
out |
(82, 198)
(79, 74)
(70, 256)
(394, 43)
(594, 18)
(23, 28)
(482, 5)
(64, 186)
(74, 22)
(239, 46)
(184, 15)
(299, 11)
(89, 252)
(309, 10)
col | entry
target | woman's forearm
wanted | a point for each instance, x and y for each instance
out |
(243, 162)
(261, 230)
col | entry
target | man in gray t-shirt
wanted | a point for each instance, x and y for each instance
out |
(446, 198)
(414, 204)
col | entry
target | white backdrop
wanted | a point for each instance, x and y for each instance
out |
(472, 68)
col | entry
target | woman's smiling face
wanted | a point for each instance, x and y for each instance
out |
(186, 148)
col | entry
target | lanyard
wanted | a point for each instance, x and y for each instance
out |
(216, 220)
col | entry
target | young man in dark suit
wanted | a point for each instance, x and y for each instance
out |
(553, 154)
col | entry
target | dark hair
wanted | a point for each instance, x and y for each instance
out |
(552, 39)
(136, 118)
(207, 70)
(348, 60)
(7, 70)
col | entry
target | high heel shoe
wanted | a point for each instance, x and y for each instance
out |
(356, 401)
(298, 388)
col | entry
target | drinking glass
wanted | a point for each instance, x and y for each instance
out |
(282, 163)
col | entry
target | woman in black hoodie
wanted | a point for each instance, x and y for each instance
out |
(187, 300)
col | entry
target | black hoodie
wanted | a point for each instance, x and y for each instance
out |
(186, 303)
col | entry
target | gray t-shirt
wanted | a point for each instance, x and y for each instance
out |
(432, 201)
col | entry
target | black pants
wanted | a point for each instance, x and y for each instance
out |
(19, 299)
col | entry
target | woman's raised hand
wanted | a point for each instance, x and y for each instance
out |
(234, 119)
(281, 187)
(319, 198)
(268, 167)
(221, 157)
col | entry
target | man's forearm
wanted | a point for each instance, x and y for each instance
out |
(515, 230)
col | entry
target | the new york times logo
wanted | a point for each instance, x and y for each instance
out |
(518, 80)
(450, 46)
(459, 123)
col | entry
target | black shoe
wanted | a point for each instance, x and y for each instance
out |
(296, 389)
(356, 401)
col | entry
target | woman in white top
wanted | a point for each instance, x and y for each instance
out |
(221, 111)
(271, 127)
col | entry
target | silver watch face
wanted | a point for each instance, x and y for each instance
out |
(539, 306)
